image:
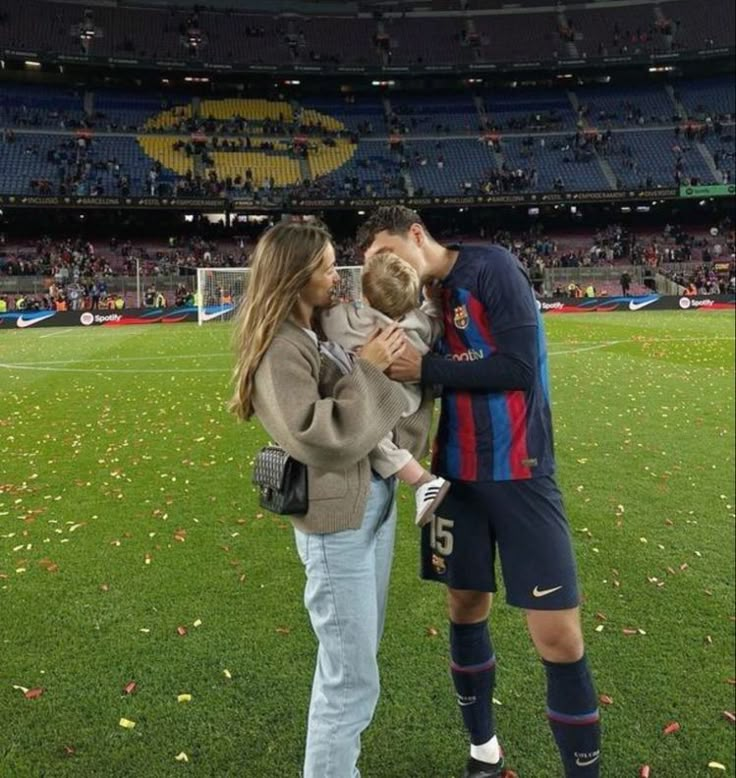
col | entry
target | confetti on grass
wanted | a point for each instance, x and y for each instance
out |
(127, 724)
(673, 726)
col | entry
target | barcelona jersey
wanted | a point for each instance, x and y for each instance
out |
(492, 435)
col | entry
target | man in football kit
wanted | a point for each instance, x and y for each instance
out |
(494, 443)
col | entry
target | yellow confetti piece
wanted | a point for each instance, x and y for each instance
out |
(716, 766)
(197, 623)
(600, 628)
(144, 630)
(184, 698)
(20, 688)
(127, 723)
(182, 757)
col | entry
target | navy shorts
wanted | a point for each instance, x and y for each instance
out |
(525, 521)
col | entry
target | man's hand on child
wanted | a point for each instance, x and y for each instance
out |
(406, 366)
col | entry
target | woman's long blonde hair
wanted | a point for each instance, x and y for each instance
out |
(283, 262)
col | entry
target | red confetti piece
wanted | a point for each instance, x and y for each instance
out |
(627, 631)
(70, 750)
(130, 687)
(605, 699)
(283, 630)
(729, 716)
(34, 694)
(181, 631)
(601, 616)
(645, 771)
(673, 726)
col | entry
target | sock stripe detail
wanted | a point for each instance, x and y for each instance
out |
(480, 668)
(580, 720)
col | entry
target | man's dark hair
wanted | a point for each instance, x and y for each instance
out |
(394, 219)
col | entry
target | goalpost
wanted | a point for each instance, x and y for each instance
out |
(220, 290)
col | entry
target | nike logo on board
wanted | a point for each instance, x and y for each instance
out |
(634, 306)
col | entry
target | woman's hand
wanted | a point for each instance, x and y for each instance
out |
(384, 346)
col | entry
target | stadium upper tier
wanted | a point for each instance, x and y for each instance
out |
(119, 144)
(532, 32)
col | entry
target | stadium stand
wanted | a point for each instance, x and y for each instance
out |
(499, 35)
(40, 107)
(647, 136)
(626, 107)
(528, 110)
(505, 37)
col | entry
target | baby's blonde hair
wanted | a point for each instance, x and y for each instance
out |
(390, 285)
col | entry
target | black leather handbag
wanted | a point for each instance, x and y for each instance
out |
(281, 482)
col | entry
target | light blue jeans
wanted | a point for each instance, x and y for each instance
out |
(346, 593)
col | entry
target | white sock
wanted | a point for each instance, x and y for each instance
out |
(487, 752)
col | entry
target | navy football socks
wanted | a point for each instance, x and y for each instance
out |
(473, 669)
(572, 709)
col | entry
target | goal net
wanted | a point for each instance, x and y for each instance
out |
(220, 290)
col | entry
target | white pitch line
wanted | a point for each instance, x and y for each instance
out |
(134, 370)
(150, 358)
(607, 343)
(44, 366)
(58, 332)
(585, 348)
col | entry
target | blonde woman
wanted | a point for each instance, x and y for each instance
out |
(328, 413)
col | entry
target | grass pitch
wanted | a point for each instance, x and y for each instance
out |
(126, 513)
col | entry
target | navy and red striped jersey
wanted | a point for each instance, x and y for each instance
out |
(487, 434)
